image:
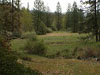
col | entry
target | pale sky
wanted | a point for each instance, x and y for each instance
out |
(51, 3)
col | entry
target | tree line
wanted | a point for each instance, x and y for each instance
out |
(77, 19)
(10, 26)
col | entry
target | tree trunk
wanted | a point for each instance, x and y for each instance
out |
(12, 16)
(99, 35)
(96, 25)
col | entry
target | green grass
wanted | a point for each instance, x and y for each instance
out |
(18, 45)
(67, 41)
(58, 42)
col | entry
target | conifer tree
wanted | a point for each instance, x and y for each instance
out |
(92, 17)
(58, 17)
(68, 20)
(38, 16)
(48, 17)
(75, 17)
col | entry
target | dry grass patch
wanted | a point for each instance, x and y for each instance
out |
(59, 34)
(64, 66)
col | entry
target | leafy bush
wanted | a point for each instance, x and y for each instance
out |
(36, 47)
(67, 54)
(9, 64)
(29, 35)
(85, 53)
(16, 35)
(42, 29)
(49, 30)
(54, 28)
(61, 54)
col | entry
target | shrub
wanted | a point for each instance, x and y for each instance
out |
(67, 54)
(16, 35)
(9, 64)
(49, 30)
(61, 54)
(54, 28)
(74, 51)
(36, 47)
(26, 58)
(29, 35)
(85, 53)
(42, 29)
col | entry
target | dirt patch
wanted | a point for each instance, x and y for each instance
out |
(56, 43)
(59, 34)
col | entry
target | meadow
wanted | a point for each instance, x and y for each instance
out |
(63, 44)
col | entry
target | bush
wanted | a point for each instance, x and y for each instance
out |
(42, 29)
(36, 47)
(49, 30)
(16, 35)
(67, 54)
(85, 53)
(29, 35)
(9, 64)
(61, 54)
(54, 28)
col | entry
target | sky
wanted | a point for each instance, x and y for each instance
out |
(51, 3)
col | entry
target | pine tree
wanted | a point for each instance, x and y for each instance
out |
(58, 17)
(10, 17)
(68, 19)
(6, 16)
(75, 17)
(48, 17)
(18, 15)
(81, 20)
(92, 17)
(38, 16)
(26, 20)
(98, 16)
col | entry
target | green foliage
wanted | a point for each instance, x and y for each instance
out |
(68, 18)
(74, 19)
(39, 18)
(36, 47)
(9, 64)
(16, 35)
(75, 25)
(26, 20)
(9, 20)
(42, 29)
(66, 54)
(91, 21)
(58, 17)
(53, 27)
(48, 16)
(5, 17)
(49, 30)
(30, 35)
